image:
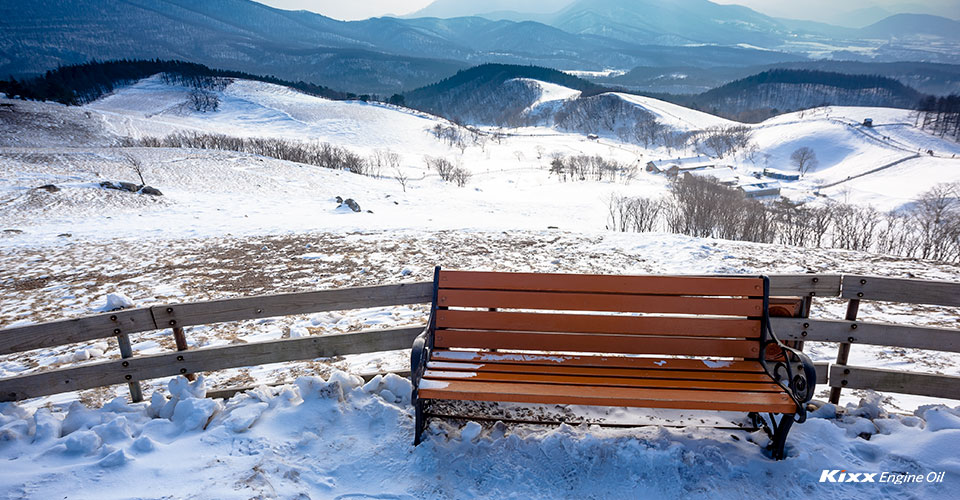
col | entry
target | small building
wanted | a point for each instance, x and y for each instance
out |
(781, 175)
(723, 175)
(761, 189)
(868, 122)
(593, 137)
(681, 164)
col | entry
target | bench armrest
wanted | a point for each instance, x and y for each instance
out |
(419, 355)
(792, 370)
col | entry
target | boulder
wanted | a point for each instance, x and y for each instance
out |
(152, 191)
(349, 202)
(50, 188)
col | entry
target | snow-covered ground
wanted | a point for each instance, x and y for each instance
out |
(340, 438)
(233, 224)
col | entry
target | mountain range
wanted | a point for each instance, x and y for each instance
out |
(387, 55)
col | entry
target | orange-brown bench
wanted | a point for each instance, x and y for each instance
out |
(684, 342)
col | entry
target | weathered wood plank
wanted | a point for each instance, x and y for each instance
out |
(861, 332)
(45, 335)
(69, 331)
(218, 311)
(911, 291)
(202, 360)
(603, 283)
(921, 384)
(804, 285)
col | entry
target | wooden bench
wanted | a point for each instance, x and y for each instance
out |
(624, 341)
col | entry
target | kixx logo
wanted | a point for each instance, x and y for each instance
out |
(842, 476)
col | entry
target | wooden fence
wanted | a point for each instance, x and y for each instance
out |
(132, 369)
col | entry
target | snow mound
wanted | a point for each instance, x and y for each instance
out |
(338, 437)
(114, 302)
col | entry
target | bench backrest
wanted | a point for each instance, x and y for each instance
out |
(651, 315)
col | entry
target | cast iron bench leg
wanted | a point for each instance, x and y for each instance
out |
(780, 436)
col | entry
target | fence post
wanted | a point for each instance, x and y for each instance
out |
(181, 339)
(844, 352)
(126, 351)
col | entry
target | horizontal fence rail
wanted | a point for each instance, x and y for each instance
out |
(921, 384)
(45, 335)
(201, 360)
(131, 369)
(863, 332)
(911, 291)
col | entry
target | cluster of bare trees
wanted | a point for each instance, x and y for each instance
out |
(721, 140)
(380, 160)
(929, 228)
(447, 171)
(583, 167)
(599, 113)
(319, 154)
(204, 88)
(940, 115)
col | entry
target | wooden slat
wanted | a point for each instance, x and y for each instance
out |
(804, 285)
(590, 381)
(862, 332)
(70, 331)
(591, 323)
(705, 374)
(599, 283)
(597, 343)
(606, 396)
(657, 363)
(921, 384)
(568, 301)
(201, 313)
(911, 291)
(202, 360)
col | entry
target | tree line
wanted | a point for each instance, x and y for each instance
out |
(929, 228)
(940, 115)
(79, 84)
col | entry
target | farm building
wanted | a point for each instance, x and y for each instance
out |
(781, 175)
(723, 175)
(679, 165)
(761, 189)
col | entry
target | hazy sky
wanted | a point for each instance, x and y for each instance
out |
(818, 10)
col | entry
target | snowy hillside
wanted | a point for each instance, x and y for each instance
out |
(233, 224)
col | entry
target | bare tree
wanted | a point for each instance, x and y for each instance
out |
(460, 176)
(137, 167)
(401, 177)
(805, 159)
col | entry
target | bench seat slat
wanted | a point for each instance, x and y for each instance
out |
(589, 323)
(625, 344)
(588, 360)
(591, 381)
(606, 396)
(607, 302)
(653, 285)
(659, 373)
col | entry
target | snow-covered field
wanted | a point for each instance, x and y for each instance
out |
(232, 224)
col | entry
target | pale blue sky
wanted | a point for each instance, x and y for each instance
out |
(817, 10)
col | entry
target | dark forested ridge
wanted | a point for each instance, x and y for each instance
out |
(758, 97)
(82, 83)
(491, 94)
(495, 74)
(940, 115)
